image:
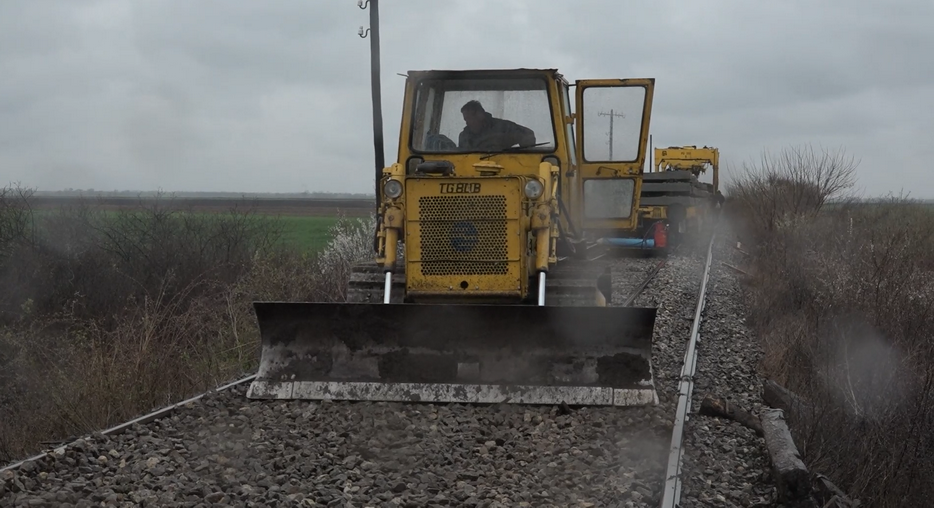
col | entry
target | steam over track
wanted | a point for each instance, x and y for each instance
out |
(223, 448)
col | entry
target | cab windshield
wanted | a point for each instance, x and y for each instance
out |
(486, 115)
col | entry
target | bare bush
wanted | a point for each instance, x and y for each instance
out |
(94, 262)
(110, 314)
(352, 243)
(16, 219)
(782, 190)
(844, 303)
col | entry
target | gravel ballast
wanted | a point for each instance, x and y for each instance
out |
(725, 463)
(225, 449)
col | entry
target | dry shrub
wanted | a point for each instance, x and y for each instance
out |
(352, 242)
(793, 187)
(844, 303)
(109, 315)
(88, 377)
(15, 218)
(94, 262)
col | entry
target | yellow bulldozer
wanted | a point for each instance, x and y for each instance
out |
(486, 285)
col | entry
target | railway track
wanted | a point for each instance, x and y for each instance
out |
(223, 448)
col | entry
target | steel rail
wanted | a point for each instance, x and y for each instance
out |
(117, 429)
(671, 495)
(645, 283)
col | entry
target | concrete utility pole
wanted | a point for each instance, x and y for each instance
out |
(611, 114)
(373, 32)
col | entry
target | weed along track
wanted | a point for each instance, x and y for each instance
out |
(226, 449)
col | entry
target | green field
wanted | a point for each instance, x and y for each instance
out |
(310, 233)
(305, 232)
(305, 224)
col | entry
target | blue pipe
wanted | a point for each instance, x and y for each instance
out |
(631, 242)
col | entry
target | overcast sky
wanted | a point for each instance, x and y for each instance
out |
(274, 95)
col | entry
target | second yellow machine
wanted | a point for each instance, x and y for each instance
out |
(484, 285)
(673, 193)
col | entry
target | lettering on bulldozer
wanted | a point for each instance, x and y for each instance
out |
(460, 188)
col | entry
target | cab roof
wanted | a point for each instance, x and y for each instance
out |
(483, 73)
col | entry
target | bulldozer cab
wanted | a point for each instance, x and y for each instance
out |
(481, 123)
(481, 114)
(595, 139)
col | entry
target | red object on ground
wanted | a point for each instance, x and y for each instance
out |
(661, 235)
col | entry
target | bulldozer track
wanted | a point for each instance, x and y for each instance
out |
(201, 421)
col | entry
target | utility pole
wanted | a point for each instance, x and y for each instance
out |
(373, 31)
(611, 114)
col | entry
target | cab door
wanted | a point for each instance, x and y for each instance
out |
(612, 123)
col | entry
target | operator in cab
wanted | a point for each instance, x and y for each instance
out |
(487, 133)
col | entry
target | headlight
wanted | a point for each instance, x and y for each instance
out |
(392, 189)
(533, 189)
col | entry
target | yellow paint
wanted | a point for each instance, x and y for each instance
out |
(620, 166)
(689, 158)
(473, 234)
(686, 158)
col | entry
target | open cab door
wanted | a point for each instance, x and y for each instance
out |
(612, 124)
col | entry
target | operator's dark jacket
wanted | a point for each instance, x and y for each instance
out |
(496, 135)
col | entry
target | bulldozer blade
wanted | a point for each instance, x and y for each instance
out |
(520, 354)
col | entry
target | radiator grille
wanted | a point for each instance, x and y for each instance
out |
(463, 235)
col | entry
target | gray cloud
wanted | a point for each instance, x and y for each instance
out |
(274, 96)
